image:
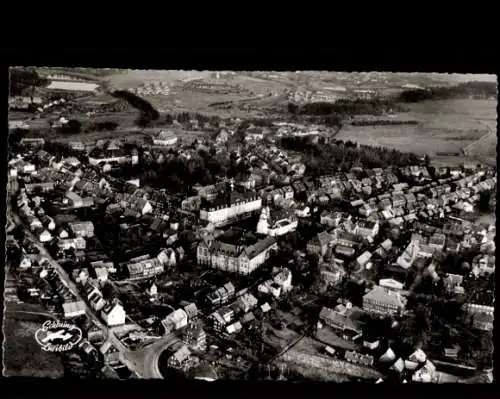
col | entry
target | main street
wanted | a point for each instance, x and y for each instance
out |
(143, 362)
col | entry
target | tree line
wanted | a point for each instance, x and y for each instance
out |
(344, 107)
(148, 112)
(324, 158)
(463, 90)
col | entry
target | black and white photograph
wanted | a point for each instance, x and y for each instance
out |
(300, 226)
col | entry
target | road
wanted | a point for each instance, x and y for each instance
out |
(143, 362)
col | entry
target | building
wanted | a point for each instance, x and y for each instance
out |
(196, 338)
(391, 284)
(165, 138)
(191, 311)
(235, 258)
(276, 223)
(384, 301)
(113, 314)
(174, 321)
(363, 259)
(180, 358)
(284, 279)
(366, 228)
(226, 209)
(483, 321)
(145, 268)
(73, 309)
(247, 302)
(340, 319)
(319, 244)
(75, 201)
(82, 229)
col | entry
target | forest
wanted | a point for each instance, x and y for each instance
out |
(464, 90)
(21, 82)
(324, 158)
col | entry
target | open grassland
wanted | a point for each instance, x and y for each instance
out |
(444, 126)
(23, 356)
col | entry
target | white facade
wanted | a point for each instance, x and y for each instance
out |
(221, 214)
(115, 316)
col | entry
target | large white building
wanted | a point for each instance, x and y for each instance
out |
(224, 210)
(235, 258)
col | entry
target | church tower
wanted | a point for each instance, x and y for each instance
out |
(263, 224)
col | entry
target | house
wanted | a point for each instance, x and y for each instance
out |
(340, 319)
(221, 317)
(363, 259)
(418, 356)
(452, 281)
(332, 273)
(234, 328)
(366, 228)
(44, 236)
(191, 311)
(371, 344)
(483, 321)
(165, 138)
(284, 280)
(113, 314)
(367, 209)
(384, 301)
(175, 320)
(196, 337)
(406, 259)
(398, 366)
(180, 358)
(73, 309)
(247, 319)
(101, 274)
(302, 211)
(388, 356)
(391, 284)
(205, 373)
(247, 302)
(82, 229)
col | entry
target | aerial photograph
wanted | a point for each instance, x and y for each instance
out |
(302, 226)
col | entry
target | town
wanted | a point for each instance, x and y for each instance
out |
(227, 255)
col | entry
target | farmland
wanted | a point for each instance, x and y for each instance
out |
(444, 126)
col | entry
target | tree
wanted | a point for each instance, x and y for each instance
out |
(484, 200)
(73, 126)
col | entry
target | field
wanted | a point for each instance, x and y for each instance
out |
(72, 86)
(445, 126)
(23, 356)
